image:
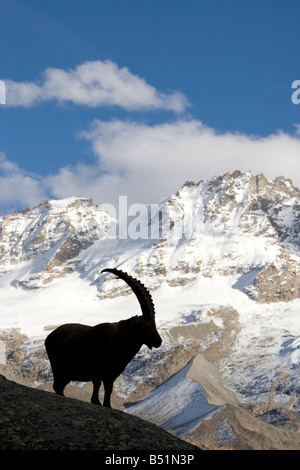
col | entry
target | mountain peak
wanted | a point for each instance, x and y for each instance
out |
(237, 222)
(48, 237)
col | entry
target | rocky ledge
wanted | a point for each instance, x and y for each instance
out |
(33, 419)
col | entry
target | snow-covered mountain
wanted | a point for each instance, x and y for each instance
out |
(42, 243)
(222, 261)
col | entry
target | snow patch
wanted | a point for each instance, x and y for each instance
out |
(178, 405)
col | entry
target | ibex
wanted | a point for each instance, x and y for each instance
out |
(100, 353)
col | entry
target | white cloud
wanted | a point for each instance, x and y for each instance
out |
(147, 163)
(144, 162)
(297, 129)
(23, 94)
(94, 84)
(17, 187)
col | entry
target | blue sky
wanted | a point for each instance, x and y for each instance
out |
(134, 97)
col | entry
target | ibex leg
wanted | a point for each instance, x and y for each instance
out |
(59, 385)
(95, 395)
(108, 387)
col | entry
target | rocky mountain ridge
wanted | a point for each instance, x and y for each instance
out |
(52, 234)
(239, 223)
(251, 223)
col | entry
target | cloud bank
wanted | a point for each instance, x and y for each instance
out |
(94, 84)
(18, 187)
(143, 162)
(147, 163)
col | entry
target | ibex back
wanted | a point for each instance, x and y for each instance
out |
(100, 353)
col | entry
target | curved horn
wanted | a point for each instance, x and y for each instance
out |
(140, 291)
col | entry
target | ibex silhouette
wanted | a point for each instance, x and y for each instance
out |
(100, 353)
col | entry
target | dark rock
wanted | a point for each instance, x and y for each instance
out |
(33, 419)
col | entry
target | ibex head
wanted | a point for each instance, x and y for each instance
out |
(150, 335)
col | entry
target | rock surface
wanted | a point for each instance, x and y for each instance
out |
(38, 420)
